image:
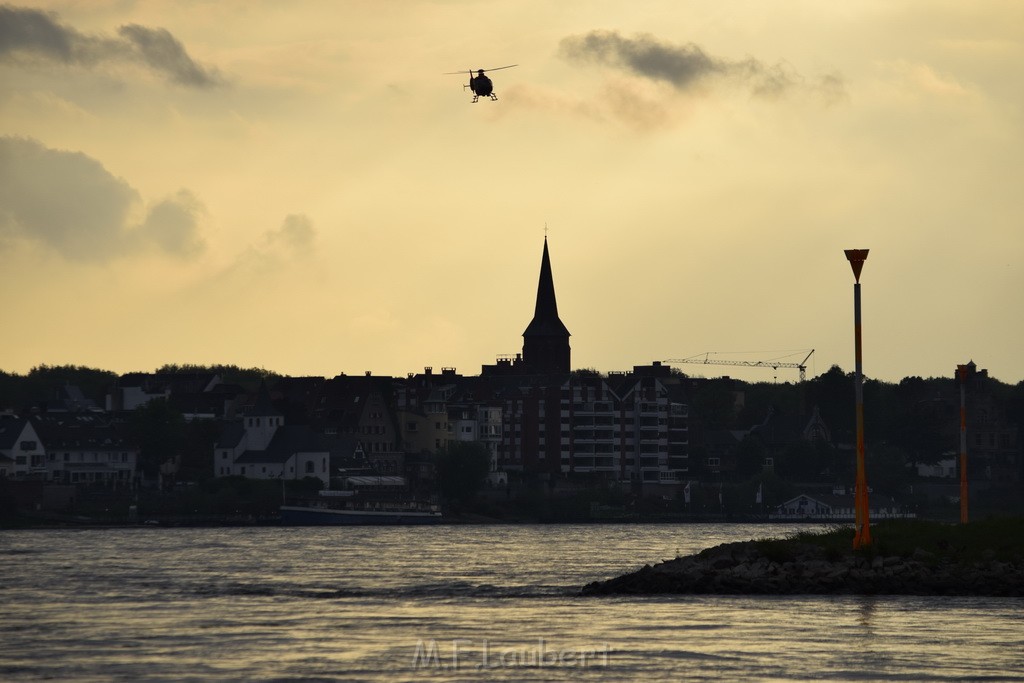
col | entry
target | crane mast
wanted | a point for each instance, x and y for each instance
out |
(705, 359)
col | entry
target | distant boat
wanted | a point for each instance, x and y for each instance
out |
(353, 507)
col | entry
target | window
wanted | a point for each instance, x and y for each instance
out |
(28, 445)
(714, 462)
(309, 467)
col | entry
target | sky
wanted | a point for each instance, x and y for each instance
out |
(300, 186)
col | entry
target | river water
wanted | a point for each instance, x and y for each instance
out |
(451, 603)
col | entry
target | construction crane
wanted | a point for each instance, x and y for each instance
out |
(705, 359)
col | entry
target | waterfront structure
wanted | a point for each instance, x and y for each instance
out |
(836, 507)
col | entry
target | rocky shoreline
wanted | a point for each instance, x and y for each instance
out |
(795, 568)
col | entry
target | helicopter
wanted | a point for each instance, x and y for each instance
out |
(480, 84)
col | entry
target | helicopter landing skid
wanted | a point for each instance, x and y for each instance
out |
(477, 97)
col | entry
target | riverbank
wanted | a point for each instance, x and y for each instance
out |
(905, 558)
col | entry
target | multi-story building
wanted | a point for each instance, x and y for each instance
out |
(69, 448)
(87, 449)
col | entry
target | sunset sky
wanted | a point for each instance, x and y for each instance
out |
(297, 186)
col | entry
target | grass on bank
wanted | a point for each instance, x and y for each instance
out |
(991, 539)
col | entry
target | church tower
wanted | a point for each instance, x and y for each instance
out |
(546, 339)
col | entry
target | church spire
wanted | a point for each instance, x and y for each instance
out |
(546, 339)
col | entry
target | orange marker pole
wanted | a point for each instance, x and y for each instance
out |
(962, 371)
(862, 523)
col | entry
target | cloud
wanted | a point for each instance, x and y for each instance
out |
(68, 202)
(686, 67)
(291, 243)
(33, 34)
(296, 235)
(172, 225)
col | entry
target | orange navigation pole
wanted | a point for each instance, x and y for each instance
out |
(862, 530)
(962, 372)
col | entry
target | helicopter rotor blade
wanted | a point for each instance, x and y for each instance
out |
(471, 71)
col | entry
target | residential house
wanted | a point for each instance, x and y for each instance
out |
(87, 449)
(838, 507)
(21, 445)
(262, 446)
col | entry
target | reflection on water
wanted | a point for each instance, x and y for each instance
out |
(451, 603)
(867, 609)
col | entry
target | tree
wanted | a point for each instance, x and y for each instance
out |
(462, 468)
(160, 432)
(887, 470)
(714, 404)
(834, 395)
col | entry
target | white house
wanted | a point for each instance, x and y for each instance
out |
(66, 448)
(20, 443)
(838, 508)
(262, 446)
(87, 449)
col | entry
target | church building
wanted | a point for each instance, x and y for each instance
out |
(546, 339)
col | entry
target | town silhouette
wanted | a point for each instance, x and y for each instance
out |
(527, 439)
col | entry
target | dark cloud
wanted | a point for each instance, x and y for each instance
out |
(33, 34)
(685, 67)
(68, 202)
(296, 234)
(161, 51)
(172, 225)
(682, 66)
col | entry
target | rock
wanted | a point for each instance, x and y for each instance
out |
(922, 555)
(744, 569)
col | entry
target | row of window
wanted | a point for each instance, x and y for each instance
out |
(271, 421)
(91, 457)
